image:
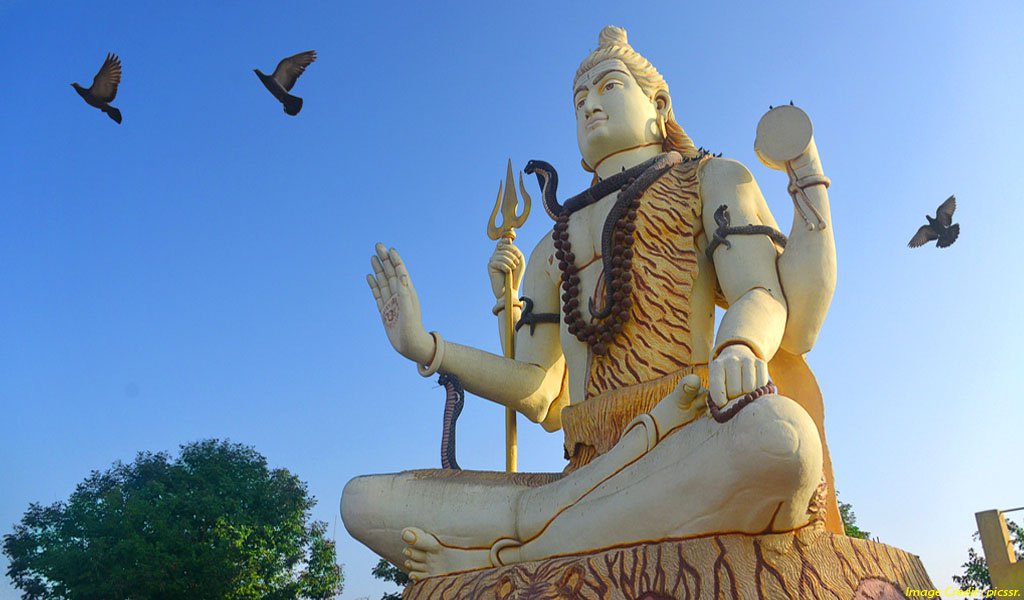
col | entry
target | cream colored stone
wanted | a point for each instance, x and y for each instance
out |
(807, 267)
(739, 476)
(675, 472)
(1006, 571)
(783, 135)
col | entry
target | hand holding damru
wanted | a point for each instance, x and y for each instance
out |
(399, 306)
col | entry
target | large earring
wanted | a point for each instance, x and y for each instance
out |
(661, 127)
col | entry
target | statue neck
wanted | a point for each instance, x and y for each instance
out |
(621, 160)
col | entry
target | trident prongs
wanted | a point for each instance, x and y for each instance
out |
(507, 203)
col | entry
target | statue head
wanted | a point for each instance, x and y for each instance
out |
(638, 109)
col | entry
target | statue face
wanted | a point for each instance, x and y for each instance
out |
(612, 111)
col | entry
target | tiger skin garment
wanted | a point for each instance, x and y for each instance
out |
(652, 352)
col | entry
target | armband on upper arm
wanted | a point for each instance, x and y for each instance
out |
(532, 319)
(725, 229)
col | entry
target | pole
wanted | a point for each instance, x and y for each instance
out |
(511, 435)
(507, 203)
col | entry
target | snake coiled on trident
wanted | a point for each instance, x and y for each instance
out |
(455, 397)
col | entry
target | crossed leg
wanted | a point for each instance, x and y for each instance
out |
(674, 473)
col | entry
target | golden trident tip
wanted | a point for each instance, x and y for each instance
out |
(507, 203)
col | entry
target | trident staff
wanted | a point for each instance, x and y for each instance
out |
(507, 203)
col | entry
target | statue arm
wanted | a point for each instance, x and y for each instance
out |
(529, 388)
(807, 268)
(533, 384)
(746, 271)
(542, 345)
(530, 385)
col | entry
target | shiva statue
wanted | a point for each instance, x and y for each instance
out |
(672, 430)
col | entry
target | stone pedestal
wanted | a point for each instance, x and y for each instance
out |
(803, 565)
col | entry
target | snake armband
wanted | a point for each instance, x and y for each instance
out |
(531, 318)
(725, 229)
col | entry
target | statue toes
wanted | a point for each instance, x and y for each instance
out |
(420, 540)
(417, 570)
(415, 555)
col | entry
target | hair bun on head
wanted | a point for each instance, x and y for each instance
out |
(613, 45)
(612, 36)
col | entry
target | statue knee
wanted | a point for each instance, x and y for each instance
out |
(355, 503)
(367, 517)
(782, 437)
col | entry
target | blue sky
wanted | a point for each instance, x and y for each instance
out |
(199, 270)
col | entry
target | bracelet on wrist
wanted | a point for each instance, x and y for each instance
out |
(500, 306)
(809, 180)
(435, 362)
(734, 342)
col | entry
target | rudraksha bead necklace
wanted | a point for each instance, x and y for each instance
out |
(612, 318)
(619, 230)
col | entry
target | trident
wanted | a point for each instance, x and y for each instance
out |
(507, 203)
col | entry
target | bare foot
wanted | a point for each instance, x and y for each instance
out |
(426, 556)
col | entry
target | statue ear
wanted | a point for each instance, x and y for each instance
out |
(663, 103)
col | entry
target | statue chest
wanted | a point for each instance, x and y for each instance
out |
(656, 340)
(585, 233)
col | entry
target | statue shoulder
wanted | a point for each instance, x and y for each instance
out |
(727, 182)
(717, 174)
(541, 261)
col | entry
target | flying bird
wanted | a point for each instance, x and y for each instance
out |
(940, 228)
(284, 77)
(104, 87)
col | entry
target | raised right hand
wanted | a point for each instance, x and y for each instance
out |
(505, 259)
(399, 306)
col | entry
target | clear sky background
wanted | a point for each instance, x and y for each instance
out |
(199, 271)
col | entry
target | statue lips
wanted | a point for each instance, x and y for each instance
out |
(596, 120)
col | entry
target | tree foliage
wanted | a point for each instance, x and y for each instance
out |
(975, 574)
(214, 523)
(389, 572)
(850, 522)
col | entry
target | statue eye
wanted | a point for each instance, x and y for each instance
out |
(610, 85)
(579, 102)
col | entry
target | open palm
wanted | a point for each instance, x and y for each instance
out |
(399, 306)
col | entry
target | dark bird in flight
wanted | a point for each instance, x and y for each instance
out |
(285, 76)
(104, 87)
(940, 228)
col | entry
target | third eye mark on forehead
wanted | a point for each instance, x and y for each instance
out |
(582, 87)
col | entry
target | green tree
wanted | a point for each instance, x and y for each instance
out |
(389, 572)
(850, 522)
(215, 523)
(975, 570)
